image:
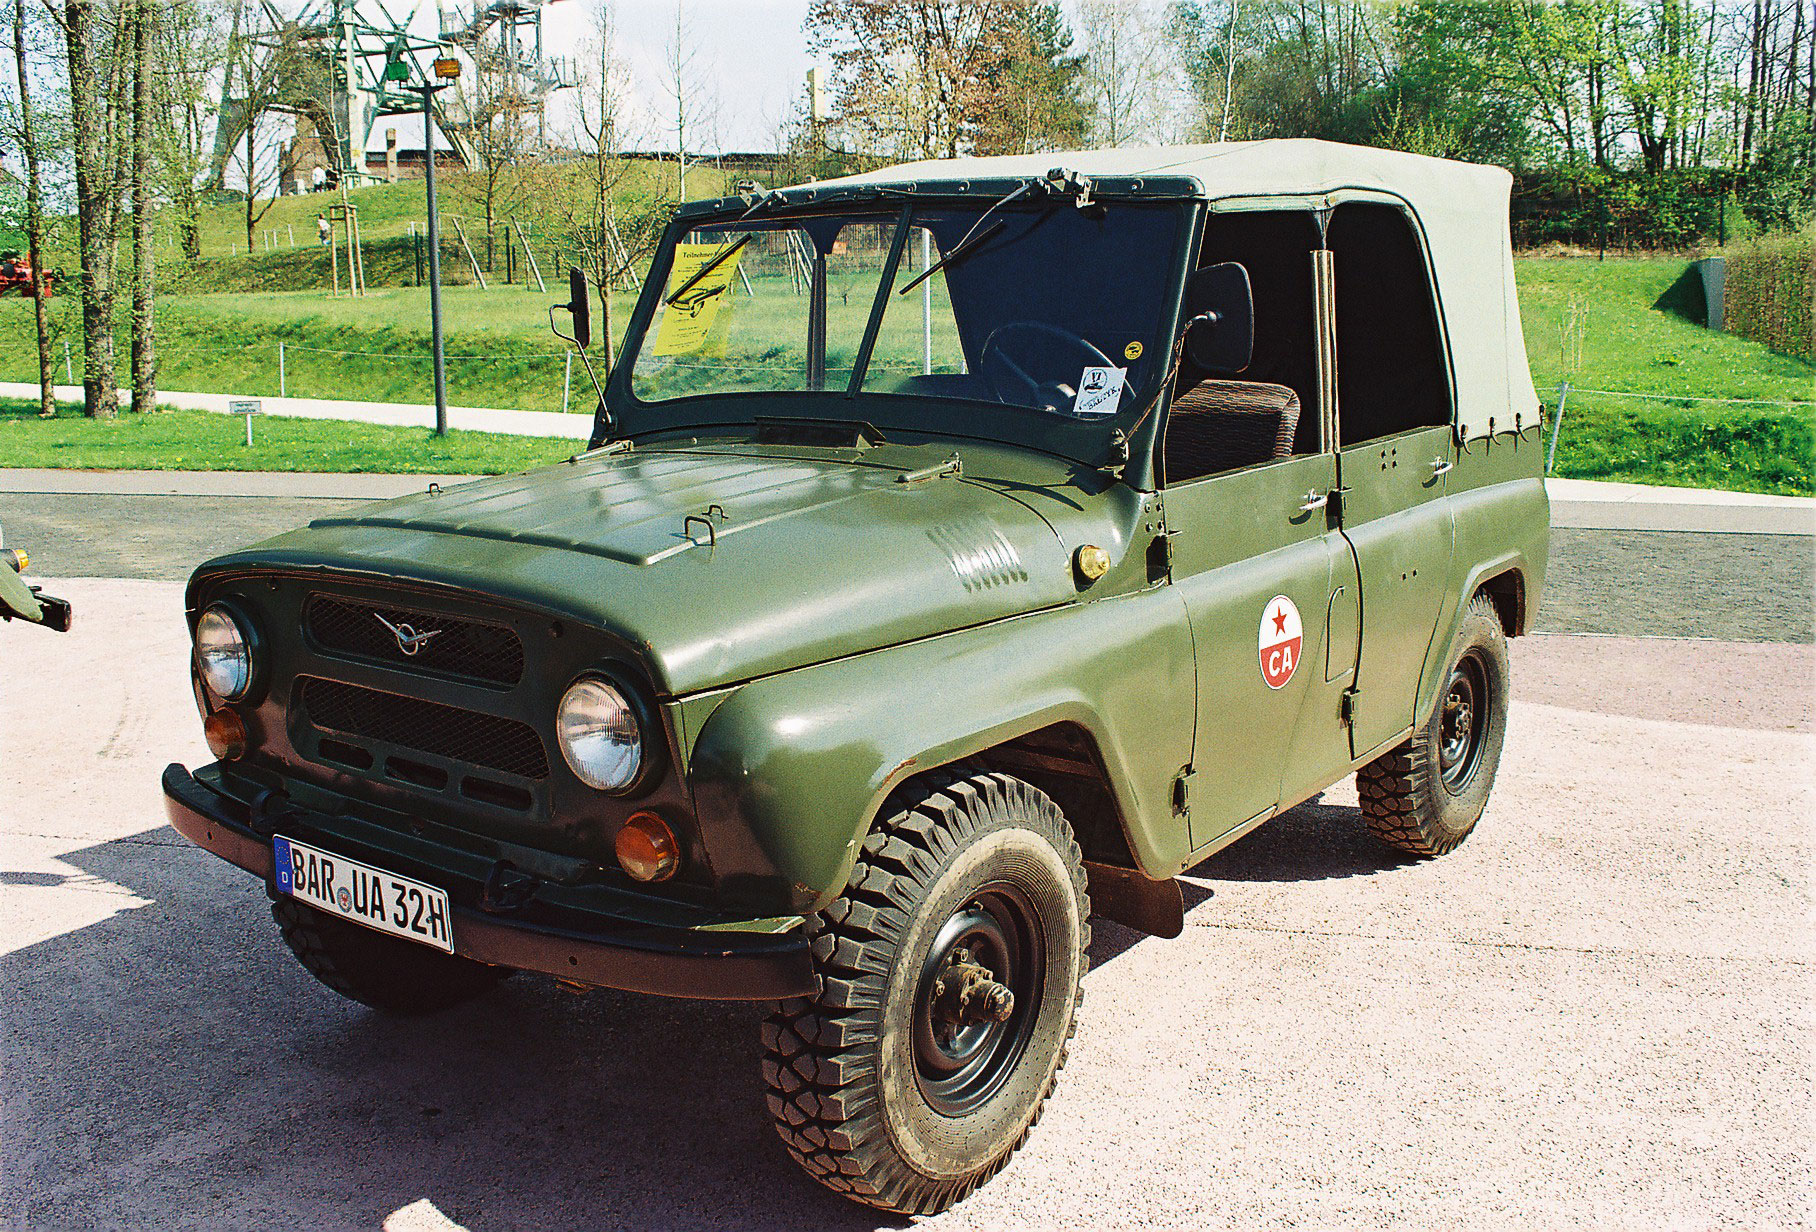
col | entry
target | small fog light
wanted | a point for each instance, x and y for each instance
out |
(647, 849)
(225, 734)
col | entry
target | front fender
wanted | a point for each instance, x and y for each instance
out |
(789, 772)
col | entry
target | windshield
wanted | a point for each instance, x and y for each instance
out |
(1039, 306)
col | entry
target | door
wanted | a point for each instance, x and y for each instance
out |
(1397, 520)
(1393, 416)
(1252, 554)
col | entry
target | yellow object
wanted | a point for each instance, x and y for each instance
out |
(647, 849)
(1132, 351)
(21, 561)
(1092, 562)
(687, 321)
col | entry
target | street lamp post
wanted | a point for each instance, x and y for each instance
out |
(447, 70)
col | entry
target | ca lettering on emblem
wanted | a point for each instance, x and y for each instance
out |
(1281, 641)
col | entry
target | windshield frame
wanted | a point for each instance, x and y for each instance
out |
(1091, 441)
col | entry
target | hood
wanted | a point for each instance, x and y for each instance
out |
(717, 565)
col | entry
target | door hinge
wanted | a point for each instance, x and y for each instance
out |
(1334, 509)
(1182, 792)
(1346, 709)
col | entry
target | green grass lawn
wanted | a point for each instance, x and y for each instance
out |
(200, 440)
(1595, 323)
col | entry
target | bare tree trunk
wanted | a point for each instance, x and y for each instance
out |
(94, 212)
(144, 260)
(34, 218)
(252, 180)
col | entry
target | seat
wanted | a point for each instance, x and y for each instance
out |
(1224, 425)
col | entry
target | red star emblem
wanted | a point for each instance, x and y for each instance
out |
(1280, 621)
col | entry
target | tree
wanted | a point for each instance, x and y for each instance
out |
(93, 54)
(696, 110)
(34, 212)
(1124, 75)
(609, 219)
(496, 131)
(264, 59)
(937, 78)
(1038, 90)
(144, 18)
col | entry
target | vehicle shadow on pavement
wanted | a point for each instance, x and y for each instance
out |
(171, 1066)
(1313, 842)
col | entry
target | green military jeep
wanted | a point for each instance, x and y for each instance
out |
(962, 549)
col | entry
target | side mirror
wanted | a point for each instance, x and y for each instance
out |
(1220, 337)
(579, 307)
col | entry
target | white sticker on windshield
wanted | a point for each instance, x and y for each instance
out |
(1100, 391)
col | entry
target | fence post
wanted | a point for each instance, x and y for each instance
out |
(567, 380)
(282, 392)
(1557, 426)
(69, 371)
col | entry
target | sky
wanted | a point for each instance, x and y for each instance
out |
(751, 54)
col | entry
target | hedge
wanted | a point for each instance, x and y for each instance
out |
(1770, 295)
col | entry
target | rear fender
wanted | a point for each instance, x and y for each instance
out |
(789, 772)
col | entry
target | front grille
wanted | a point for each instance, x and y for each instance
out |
(474, 649)
(464, 736)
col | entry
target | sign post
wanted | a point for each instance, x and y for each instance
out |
(248, 408)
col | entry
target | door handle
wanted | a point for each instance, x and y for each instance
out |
(1442, 466)
(1314, 500)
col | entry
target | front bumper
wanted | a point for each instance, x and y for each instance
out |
(611, 953)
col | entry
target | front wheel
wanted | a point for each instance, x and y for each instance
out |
(1425, 796)
(950, 969)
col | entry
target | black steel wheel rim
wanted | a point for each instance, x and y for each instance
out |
(959, 1065)
(1463, 722)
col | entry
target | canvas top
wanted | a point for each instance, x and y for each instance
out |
(1461, 210)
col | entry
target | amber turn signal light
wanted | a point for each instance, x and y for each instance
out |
(225, 733)
(1091, 561)
(647, 849)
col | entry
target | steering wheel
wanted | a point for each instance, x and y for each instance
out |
(1041, 348)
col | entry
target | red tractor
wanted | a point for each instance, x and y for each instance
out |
(16, 276)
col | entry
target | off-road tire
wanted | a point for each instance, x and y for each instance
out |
(386, 973)
(847, 1090)
(1406, 798)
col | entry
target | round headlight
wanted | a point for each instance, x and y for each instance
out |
(223, 653)
(600, 735)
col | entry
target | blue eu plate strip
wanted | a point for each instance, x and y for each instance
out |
(280, 849)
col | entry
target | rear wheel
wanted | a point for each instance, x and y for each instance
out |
(1426, 795)
(951, 969)
(386, 973)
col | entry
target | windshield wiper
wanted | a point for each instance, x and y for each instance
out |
(959, 252)
(972, 240)
(706, 269)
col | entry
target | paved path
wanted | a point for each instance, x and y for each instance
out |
(470, 418)
(1686, 583)
(1593, 1014)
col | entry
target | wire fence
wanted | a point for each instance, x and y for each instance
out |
(274, 359)
(1565, 389)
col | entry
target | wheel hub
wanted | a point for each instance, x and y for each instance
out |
(977, 1000)
(967, 994)
(1462, 723)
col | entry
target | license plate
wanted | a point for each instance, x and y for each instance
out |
(363, 894)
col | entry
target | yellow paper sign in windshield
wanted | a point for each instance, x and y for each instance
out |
(687, 322)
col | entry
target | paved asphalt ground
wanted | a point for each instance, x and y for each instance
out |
(1594, 1013)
